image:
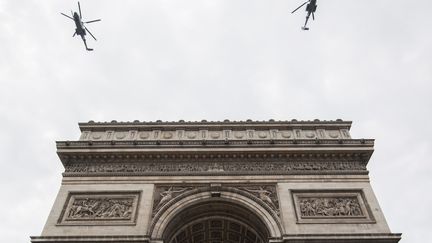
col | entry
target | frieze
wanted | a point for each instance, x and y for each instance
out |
(93, 208)
(205, 168)
(240, 134)
(331, 207)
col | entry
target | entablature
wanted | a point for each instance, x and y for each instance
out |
(215, 148)
(231, 130)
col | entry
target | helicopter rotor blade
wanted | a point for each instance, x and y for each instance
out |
(96, 20)
(90, 33)
(66, 16)
(300, 6)
(74, 34)
(79, 7)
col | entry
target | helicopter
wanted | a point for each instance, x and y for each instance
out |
(81, 30)
(310, 8)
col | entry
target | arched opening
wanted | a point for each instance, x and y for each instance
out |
(216, 221)
(202, 217)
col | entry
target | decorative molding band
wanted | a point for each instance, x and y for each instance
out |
(226, 143)
(98, 239)
(220, 134)
(100, 208)
(215, 168)
(336, 206)
(213, 125)
(342, 238)
(70, 157)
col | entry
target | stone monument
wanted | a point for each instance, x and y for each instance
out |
(207, 182)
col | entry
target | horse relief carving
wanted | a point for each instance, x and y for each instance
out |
(330, 207)
(93, 208)
(101, 208)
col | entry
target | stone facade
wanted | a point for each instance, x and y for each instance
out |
(229, 181)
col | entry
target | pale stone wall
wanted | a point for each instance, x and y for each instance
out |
(300, 181)
(52, 228)
(289, 215)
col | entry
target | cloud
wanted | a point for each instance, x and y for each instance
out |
(198, 59)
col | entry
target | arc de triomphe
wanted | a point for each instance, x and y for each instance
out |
(214, 182)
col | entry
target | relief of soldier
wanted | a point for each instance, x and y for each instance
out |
(330, 207)
(101, 208)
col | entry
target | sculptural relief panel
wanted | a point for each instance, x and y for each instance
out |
(100, 208)
(331, 207)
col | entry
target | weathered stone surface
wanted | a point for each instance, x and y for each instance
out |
(251, 181)
(100, 208)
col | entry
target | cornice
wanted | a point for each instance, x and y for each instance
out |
(92, 125)
(214, 151)
(93, 238)
(214, 131)
(215, 148)
(295, 143)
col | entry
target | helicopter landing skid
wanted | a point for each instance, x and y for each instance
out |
(305, 28)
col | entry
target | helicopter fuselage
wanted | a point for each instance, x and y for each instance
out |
(79, 25)
(311, 7)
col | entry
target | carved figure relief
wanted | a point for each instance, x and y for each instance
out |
(164, 194)
(103, 208)
(330, 207)
(167, 195)
(338, 206)
(266, 194)
(213, 167)
(100, 207)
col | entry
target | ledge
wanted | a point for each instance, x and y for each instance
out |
(294, 143)
(92, 125)
(99, 239)
(342, 238)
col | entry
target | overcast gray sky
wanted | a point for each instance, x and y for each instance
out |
(367, 61)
